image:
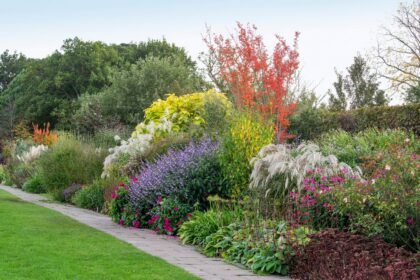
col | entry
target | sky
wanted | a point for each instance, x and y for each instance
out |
(332, 32)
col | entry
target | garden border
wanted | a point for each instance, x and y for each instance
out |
(164, 247)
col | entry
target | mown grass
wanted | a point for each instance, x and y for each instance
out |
(38, 243)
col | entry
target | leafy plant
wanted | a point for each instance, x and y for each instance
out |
(90, 197)
(168, 216)
(332, 254)
(69, 161)
(242, 141)
(355, 149)
(35, 184)
(173, 175)
(386, 204)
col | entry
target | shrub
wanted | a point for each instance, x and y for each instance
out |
(69, 161)
(339, 255)
(171, 174)
(154, 151)
(2, 174)
(168, 216)
(388, 203)
(35, 184)
(122, 212)
(354, 149)
(184, 112)
(90, 197)
(245, 137)
(381, 117)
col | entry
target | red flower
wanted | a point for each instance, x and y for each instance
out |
(176, 209)
(189, 215)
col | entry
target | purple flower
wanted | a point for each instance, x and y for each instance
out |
(169, 173)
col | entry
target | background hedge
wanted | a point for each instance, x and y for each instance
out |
(311, 124)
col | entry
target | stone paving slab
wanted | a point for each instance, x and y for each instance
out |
(164, 247)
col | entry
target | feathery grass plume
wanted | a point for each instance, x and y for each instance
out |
(288, 166)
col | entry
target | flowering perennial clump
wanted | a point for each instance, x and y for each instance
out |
(169, 173)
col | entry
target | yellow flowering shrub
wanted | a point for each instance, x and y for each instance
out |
(179, 113)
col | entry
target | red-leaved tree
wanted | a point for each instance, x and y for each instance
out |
(241, 65)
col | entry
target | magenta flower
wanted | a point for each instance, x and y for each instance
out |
(121, 222)
(410, 221)
(136, 224)
(176, 209)
(114, 195)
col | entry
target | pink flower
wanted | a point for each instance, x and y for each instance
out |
(136, 224)
(176, 209)
(323, 178)
(134, 179)
(159, 200)
(121, 222)
(410, 221)
(413, 157)
(293, 195)
(114, 195)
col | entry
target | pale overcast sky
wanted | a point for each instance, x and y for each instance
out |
(332, 32)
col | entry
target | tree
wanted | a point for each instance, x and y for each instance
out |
(257, 81)
(413, 94)
(358, 89)
(134, 90)
(398, 48)
(10, 65)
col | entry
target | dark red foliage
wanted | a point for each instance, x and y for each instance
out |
(332, 254)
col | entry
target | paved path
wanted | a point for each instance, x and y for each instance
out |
(161, 246)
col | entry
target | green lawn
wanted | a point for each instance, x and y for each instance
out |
(38, 243)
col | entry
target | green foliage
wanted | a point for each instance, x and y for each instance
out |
(121, 210)
(69, 161)
(413, 94)
(135, 89)
(381, 117)
(34, 184)
(305, 117)
(387, 204)
(242, 141)
(203, 224)
(354, 149)
(358, 89)
(2, 174)
(90, 197)
(168, 216)
(10, 66)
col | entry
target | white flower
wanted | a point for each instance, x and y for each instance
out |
(407, 140)
(346, 200)
(387, 167)
(117, 138)
(33, 153)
